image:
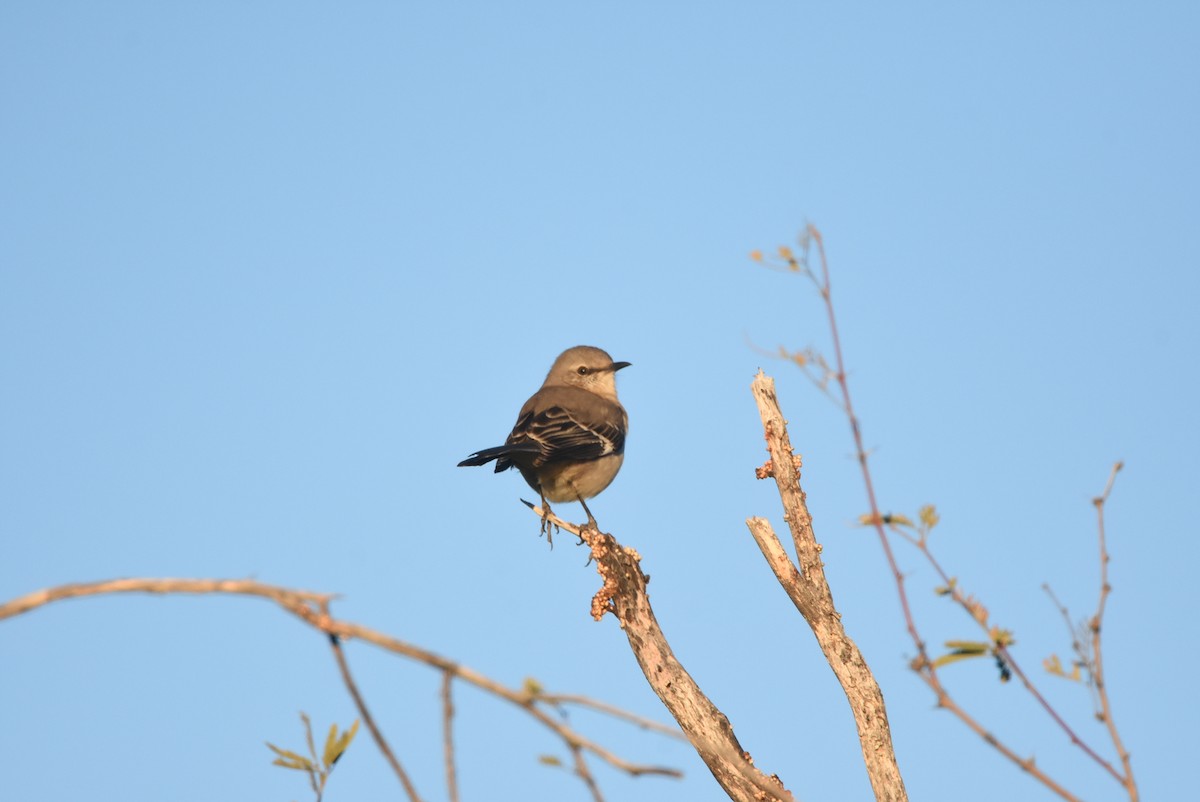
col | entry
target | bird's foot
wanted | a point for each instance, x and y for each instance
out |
(548, 526)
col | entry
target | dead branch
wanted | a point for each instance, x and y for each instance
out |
(808, 589)
(623, 594)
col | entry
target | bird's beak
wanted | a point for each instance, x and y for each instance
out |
(618, 365)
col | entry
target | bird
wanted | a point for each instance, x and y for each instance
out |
(569, 438)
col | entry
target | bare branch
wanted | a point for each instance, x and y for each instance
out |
(810, 592)
(306, 605)
(623, 593)
(244, 587)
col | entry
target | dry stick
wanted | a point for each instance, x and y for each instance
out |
(810, 592)
(380, 741)
(624, 595)
(1095, 626)
(303, 604)
(448, 736)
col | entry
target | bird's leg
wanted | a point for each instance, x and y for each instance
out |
(591, 524)
(546, 525)
(591, 519)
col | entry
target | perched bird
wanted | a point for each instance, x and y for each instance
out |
(569, 438)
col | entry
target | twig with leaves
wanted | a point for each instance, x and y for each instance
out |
(317, 768)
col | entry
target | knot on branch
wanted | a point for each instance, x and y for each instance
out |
(767, 469)
(618, 566)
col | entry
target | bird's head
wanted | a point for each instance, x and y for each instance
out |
(586, 367)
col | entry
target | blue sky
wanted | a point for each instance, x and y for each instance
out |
(269, 271)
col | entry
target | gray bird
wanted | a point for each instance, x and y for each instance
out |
(569, 438)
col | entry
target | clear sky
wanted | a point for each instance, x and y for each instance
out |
(268, 271)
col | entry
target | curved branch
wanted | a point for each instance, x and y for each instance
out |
(308, 606)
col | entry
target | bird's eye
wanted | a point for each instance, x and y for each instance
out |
(583, 371)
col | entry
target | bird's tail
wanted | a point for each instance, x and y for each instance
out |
(499, 452)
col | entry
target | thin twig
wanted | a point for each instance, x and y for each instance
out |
(1097, 654)
(946, 702)
(1006, 655)
(559, 699)
(448, 736)
(380, 741)
(318, 788)
(585, 774)
(1082, 658)
(826, 290)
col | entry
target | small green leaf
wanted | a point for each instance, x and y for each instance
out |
(946, 659)
(549, 760)
(344, 741)
(332, 751)
(962, 650)
(284, 752)
(335, 745)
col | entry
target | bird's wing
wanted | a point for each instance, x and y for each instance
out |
(570, 435)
